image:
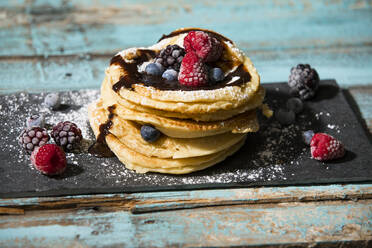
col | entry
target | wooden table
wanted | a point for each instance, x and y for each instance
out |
(59, 45)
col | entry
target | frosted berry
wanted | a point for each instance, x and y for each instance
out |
(324, 147)
(170, 75)
(31, 138)
(154, 69)
(193, 71)
(49, 159)
(67, 135)
(307, 136)
(295, 104)
(35, 121)
(206, 47)
(171, 57)
(52, 101)
(216, 75)
(285, 117)
(303, 81)
(150, 133)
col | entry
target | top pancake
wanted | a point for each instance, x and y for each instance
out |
(189, 101)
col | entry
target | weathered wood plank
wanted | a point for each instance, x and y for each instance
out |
(160, 201)
(71, 27)
(279, 224)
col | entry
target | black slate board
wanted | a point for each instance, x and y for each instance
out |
(273, 156)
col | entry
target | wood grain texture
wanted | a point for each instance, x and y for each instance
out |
(277, 224)
(161, 201)
(333, 36)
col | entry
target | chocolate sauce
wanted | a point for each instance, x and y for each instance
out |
(134, 77)
(186, 30)
(100, 148)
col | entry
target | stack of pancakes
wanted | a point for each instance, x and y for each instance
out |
(200, 126)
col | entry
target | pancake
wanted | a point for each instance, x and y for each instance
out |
(128, 132)
(200, 126)
(109, 98)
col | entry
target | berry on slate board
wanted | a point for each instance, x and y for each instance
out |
(35, 121)
(67, 135)
(170, 75)
(206, 47)
(324, 147)
(49, 159)
(303, 81)
(193, 71)
(295, 104)
(154, 69)
(150, 133)
(52, 101)
(216, 74)
(285, 117)
(171, 57)
(31, 138)
(307, 136)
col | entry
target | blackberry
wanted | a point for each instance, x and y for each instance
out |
(171, 57)
(31, 138)
(67, 135)
(303, 81)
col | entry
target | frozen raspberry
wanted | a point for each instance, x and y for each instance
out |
(193, 71)
(303, 81)
(206, 47)
(49, 159)
(31, 138)
(67, 135)
(171, 57)
(325, 147)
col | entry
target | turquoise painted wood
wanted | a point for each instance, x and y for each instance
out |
(333, 36)
(218, 226)
(43, 40)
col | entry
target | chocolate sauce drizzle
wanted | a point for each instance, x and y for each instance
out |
(100, 148)
(132, 76)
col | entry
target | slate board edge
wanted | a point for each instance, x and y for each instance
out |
(138, 189)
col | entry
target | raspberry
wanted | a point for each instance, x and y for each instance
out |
(193, 71)
(206, 47)
(67, 135)
(325, 147)
(49, 159)
(171, 57)
(33, 137)
(303, 81)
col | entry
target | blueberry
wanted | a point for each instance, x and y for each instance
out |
(35, 121)
(170, 75)
(52, 101)
(149, 133)
(295, 104)
(307, 136)
(285, 117)
(216, 74)
(154, 69)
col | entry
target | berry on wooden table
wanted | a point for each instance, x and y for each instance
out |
(303, 81)
(49, 159)
(52, 101)
(285, 117)
(324, 147)
(35, 121)
(31, 138)
(67, 135)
